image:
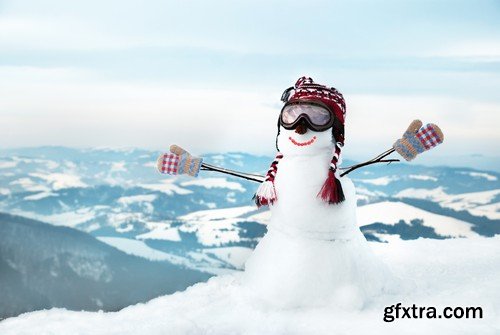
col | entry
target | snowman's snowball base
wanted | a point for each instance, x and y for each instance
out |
(314, 253)
(294, 272)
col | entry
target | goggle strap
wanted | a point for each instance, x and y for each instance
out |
(286, 94)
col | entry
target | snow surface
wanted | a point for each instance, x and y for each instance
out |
(4, 191)
(218, 214)
(388, 212)
(262, 217)
(137, 199)
(235, 256)
(139, 248)
(422, 177)
(7, 164)
(121, 221)
(39, 196)
(453, 272)
(477, 203)
(491, 211)
(382, 181)
(60, 181)
(215, 183)
(118, 166)
(214, 233)
(216, 226)
(29, 185)
(166, 186)
(68, 219)
(160, 231)
(481, 175)
(212, 260)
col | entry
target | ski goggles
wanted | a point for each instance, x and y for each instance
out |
(317, 115)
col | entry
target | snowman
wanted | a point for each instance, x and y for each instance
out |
(313, 253)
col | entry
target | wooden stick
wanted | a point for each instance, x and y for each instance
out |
(247, 176)
(260, 178)
(378, 159)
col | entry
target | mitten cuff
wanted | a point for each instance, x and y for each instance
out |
(190, 165)
(405, 149)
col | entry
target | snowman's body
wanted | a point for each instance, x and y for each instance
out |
(314, 253)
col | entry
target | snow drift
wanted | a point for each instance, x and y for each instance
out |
(455, 272)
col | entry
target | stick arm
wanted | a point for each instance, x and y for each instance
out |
(248, 176)
(378, 159)
(176, 150)
(260, 178)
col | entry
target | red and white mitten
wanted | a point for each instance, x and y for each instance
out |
(418, 139)
(179, 161)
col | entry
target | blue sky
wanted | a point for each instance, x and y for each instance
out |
(208, 74)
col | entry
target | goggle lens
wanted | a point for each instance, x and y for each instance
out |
(318, 115)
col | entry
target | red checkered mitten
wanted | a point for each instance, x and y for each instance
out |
(179, 161)
(418, 139)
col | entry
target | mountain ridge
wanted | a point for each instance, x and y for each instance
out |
(55, 266)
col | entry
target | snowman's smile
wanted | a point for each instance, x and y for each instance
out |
(301, 144)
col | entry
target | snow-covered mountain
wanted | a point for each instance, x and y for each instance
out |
(210, 223)
(43, 266)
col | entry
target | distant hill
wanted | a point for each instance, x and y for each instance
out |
(44, 266)
(211, 222)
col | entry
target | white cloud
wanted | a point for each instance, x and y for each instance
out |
(62, 106)
(55, 106)
(377, 121)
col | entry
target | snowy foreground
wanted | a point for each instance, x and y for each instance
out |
(436, 273)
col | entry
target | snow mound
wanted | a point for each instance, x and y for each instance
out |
(455, 272)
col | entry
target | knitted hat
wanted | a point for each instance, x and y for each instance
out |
(305, 89)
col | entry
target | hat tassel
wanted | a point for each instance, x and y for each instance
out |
(266, 194)
(331, 191)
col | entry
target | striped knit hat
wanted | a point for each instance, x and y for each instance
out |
(305, 89)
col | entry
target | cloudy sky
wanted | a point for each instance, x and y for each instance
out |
(208, 75)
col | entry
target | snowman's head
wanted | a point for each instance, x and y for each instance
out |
(307, 127)
(310, 122)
